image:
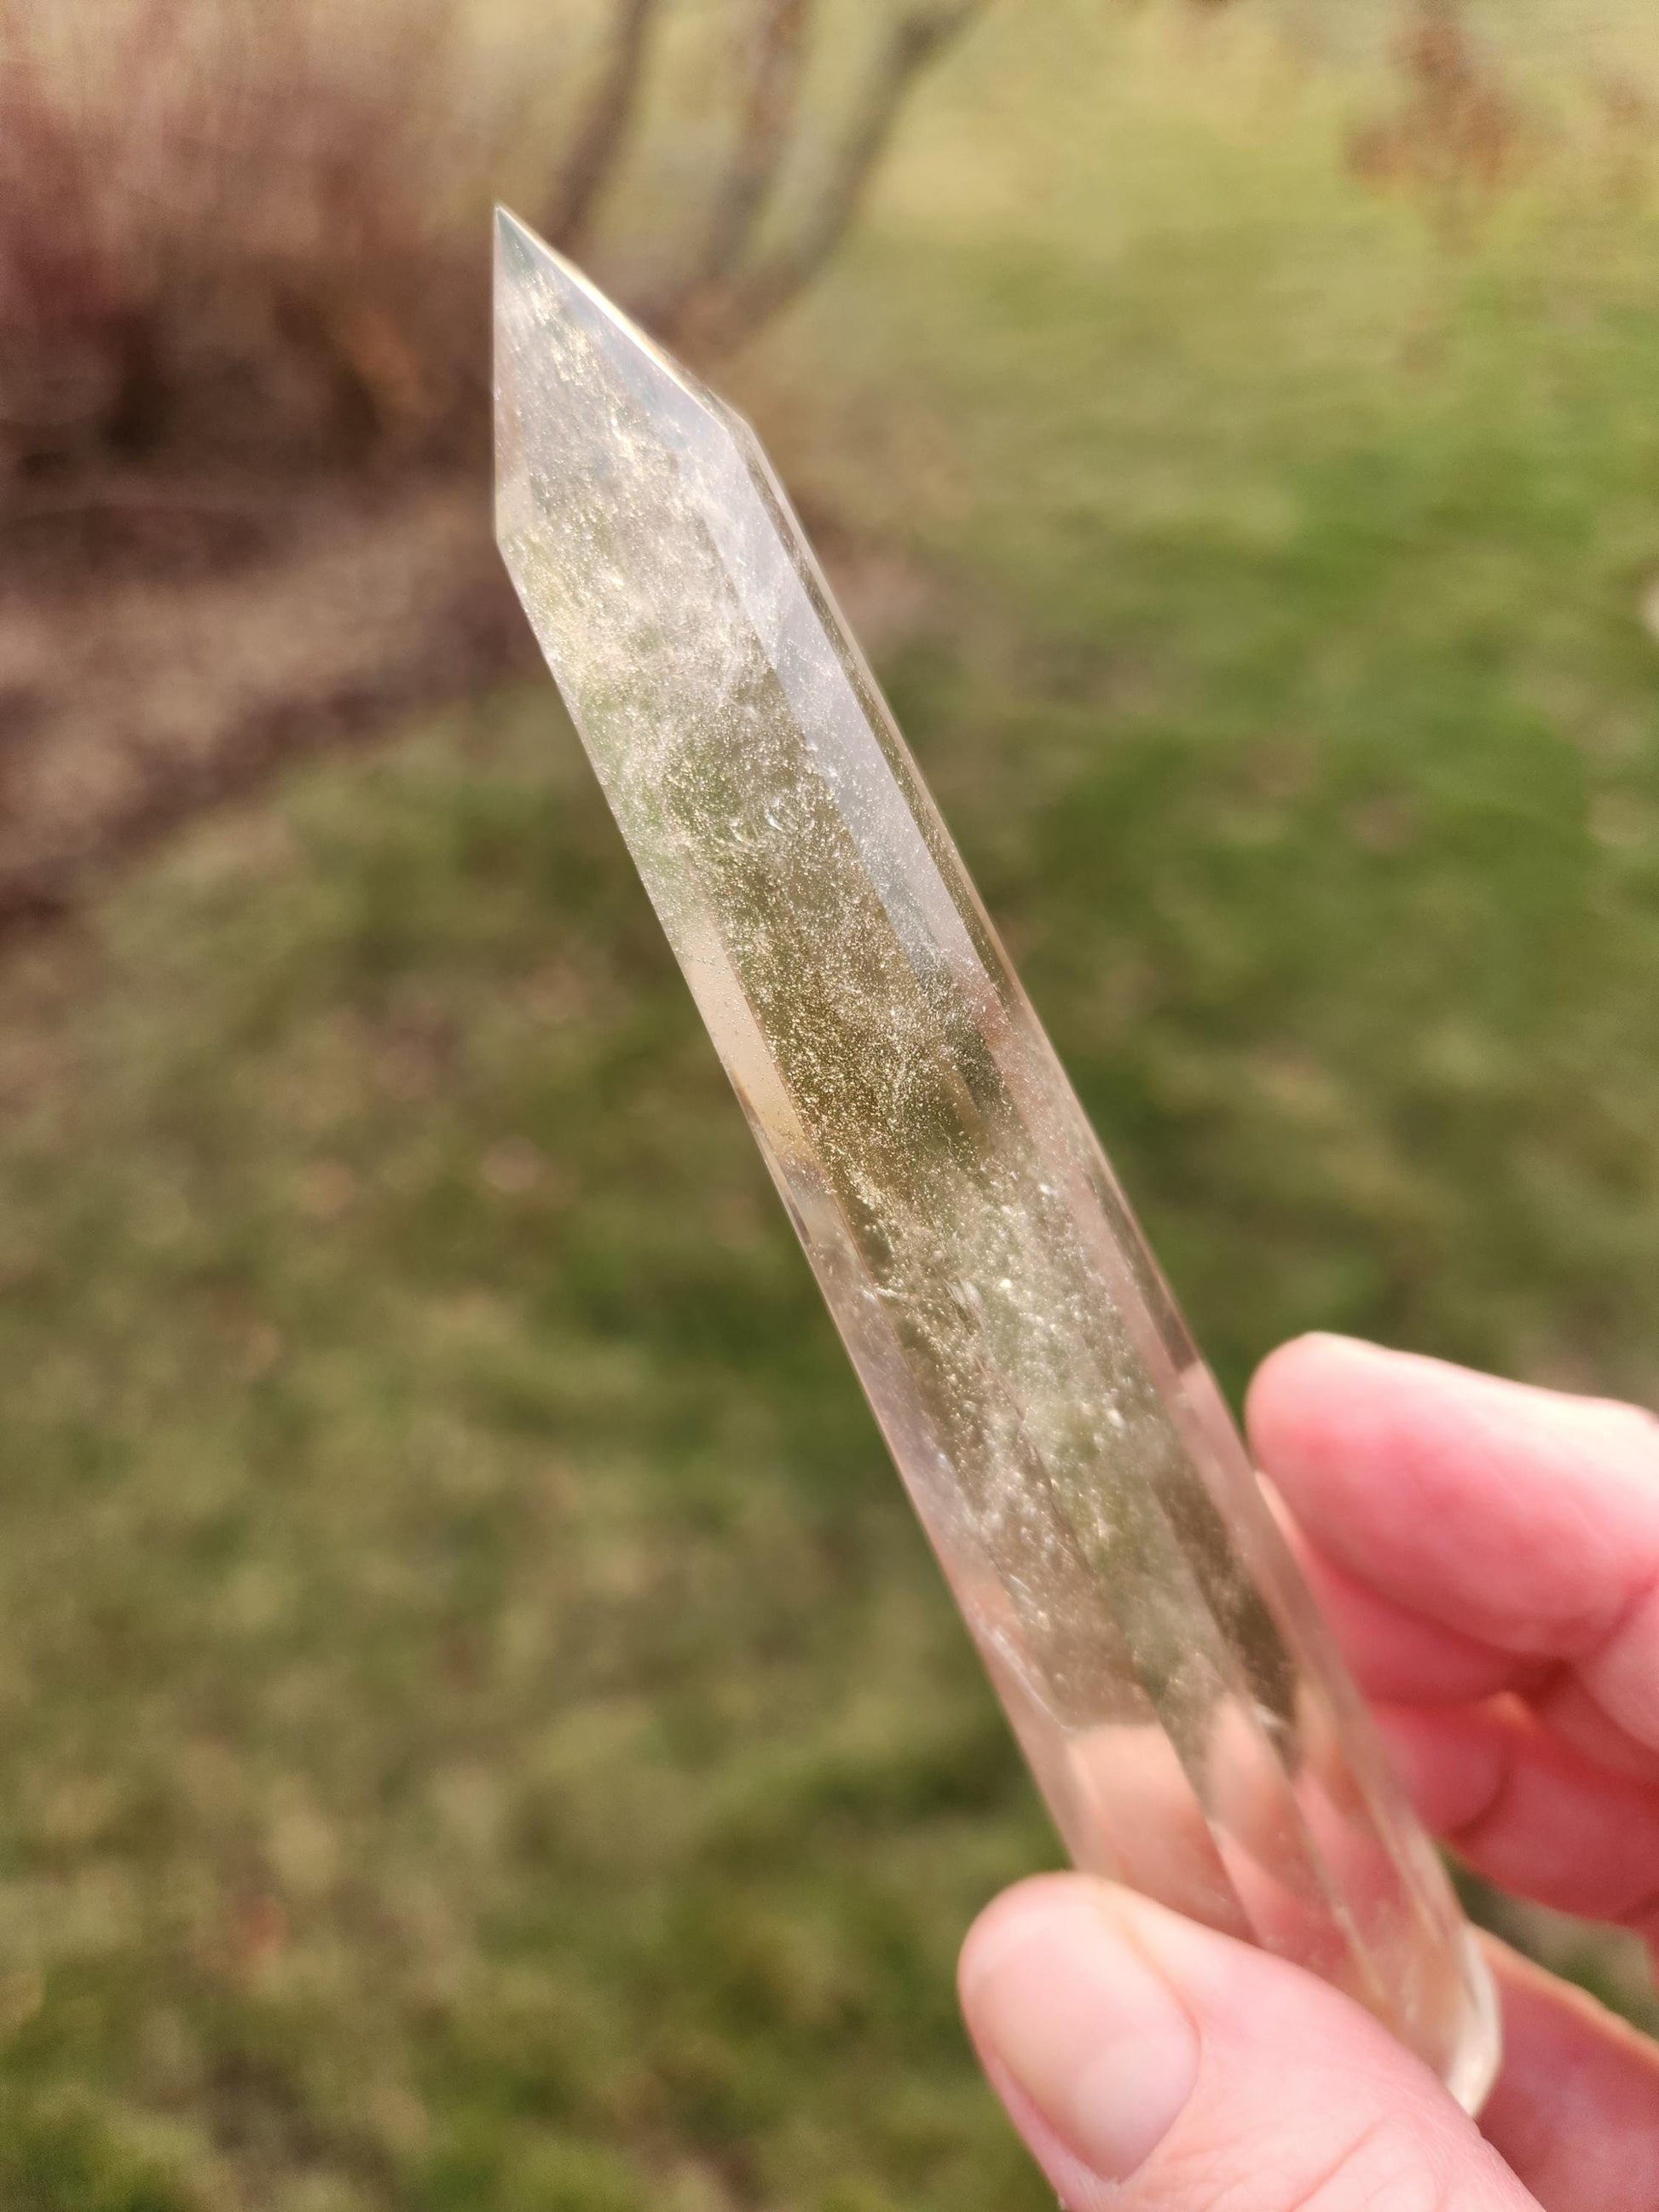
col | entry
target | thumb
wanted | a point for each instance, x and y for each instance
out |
(1149, 2062)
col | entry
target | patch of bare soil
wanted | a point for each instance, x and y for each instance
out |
(163, 648)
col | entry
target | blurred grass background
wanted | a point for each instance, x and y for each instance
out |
(480, 1726)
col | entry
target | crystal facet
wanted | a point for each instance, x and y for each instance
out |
(1188, 1720)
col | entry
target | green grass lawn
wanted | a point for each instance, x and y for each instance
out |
(481, 1729)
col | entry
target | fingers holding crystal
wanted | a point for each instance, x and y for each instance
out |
(1232, 1836)
(1530, 1812)
(1153, 2064)
(1464, 1516)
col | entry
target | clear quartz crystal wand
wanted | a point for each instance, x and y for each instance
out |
(1188, 1719)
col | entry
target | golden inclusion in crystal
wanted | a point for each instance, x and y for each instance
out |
(1183, 1709)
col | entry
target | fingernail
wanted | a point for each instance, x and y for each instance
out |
(1061, 1997)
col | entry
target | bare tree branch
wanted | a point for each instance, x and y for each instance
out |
(772, 86)
(912, 41)
(600, 139)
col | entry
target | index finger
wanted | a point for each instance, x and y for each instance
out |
(1517, 1519)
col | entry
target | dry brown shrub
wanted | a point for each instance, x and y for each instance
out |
(251, 229)
(216, 237)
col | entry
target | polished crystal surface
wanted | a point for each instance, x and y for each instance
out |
(1186, 1716)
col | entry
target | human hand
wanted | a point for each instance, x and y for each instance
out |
(1488, 1556)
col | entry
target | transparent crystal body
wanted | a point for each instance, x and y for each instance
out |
(1186, 1719)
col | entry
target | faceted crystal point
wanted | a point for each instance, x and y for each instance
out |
(1183, 1709)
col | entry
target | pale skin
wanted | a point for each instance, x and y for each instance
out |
(1488, 1555)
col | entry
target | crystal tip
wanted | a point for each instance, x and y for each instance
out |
(526, 266)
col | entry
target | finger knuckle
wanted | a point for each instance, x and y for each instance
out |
(1388, 2164)
(1384, 2167)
